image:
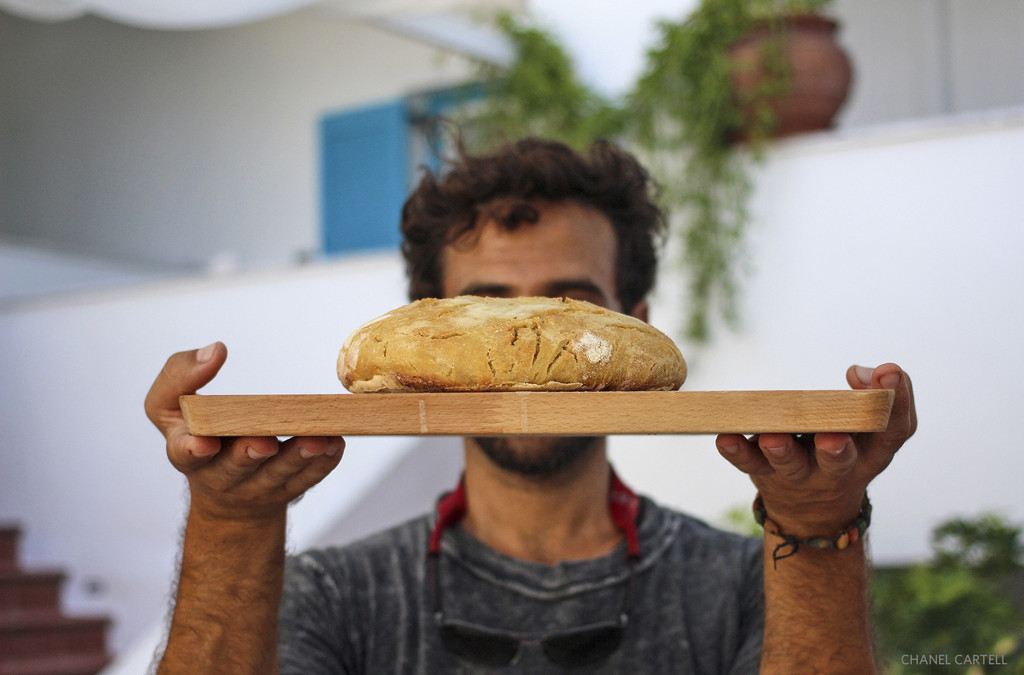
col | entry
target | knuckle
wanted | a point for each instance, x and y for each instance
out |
(837, 469)
(781, 457)
(274, 475)
(303, 481)
(741, 458)
(793, 473)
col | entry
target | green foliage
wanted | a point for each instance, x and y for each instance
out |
(682, 113)
(539, 94)
(987, 545)
(740, 519)
(966, 601)
(685, 109)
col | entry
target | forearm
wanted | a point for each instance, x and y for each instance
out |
(816, 612)
(232, 566)
(225, 616)
(812, 490)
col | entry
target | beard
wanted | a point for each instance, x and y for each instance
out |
(537, 456)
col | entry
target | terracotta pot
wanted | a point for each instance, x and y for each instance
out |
(820, 73)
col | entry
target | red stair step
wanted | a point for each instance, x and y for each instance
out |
(23, 591)
(75, 664)
(9, 536)
(36, 638)
(47, 633)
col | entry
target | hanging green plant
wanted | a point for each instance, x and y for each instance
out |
(539, 94)
(685, 112)
(699, 136)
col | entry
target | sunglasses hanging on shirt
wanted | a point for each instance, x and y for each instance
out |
(492, 647)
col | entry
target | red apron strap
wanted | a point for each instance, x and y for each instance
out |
(624, 506)
(450, 510)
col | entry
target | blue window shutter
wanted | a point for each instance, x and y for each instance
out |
(365, 165)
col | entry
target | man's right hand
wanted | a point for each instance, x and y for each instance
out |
(232, 562)
(250, 477)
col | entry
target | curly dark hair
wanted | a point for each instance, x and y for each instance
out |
(501, 185)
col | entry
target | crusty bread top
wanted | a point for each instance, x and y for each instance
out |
(471, 343)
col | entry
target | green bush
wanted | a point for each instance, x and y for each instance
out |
(961, 611)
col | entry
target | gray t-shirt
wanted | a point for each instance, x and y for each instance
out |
(697, 604)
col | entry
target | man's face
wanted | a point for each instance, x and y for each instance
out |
(569, 252)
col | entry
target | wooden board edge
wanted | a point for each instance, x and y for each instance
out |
(513, 413)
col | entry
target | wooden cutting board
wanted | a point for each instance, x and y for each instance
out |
(546, 413)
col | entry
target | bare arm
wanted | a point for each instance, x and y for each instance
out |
(225, 615)
(816, 613)
(816, 602)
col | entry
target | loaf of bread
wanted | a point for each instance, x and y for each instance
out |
(519, 344)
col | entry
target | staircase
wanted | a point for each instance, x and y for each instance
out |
(36, 638)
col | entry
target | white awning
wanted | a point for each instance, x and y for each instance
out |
(196, 14)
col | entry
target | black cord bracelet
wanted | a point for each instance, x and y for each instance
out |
(848, 536)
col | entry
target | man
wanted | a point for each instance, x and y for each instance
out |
(525, 567)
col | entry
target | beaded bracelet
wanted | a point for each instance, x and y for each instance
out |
(848, 536)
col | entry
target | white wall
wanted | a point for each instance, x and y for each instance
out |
(901, 244)
(178, 146)
(85, 473)
(915, 59)
(28, 272)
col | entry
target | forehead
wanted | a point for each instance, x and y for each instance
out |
(570, 241)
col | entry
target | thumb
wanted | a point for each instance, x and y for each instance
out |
(184, 373)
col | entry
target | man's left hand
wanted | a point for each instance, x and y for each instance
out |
(815, 486)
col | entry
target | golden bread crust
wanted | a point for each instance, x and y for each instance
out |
(472, 343)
